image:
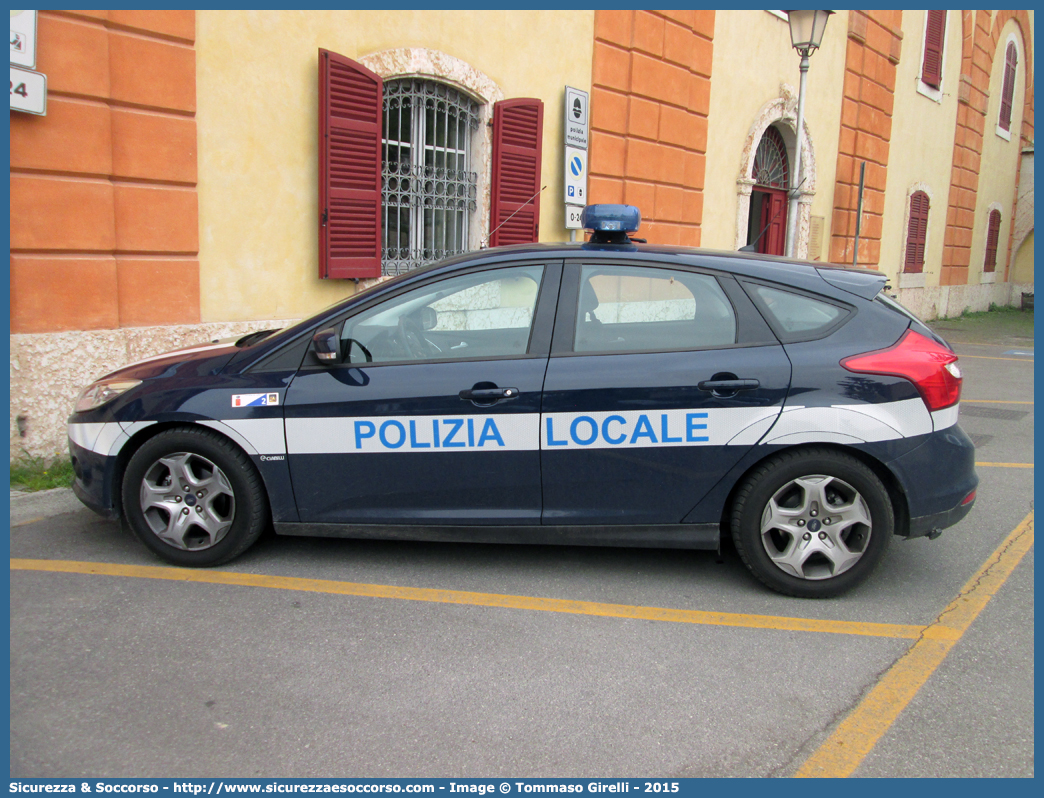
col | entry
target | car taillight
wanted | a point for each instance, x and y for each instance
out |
(929, 366)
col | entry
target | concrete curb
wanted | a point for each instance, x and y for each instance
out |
(36, 506)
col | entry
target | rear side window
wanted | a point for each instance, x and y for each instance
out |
(893, 304)
(641, 309)
(797, 316)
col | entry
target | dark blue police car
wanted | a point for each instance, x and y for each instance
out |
(604, 393)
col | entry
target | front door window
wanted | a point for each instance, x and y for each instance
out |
(487, 314)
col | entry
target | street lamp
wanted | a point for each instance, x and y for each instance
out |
(806, 33)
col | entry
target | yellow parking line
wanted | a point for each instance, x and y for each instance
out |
(476, 599)
(1005, 465)
(997, 402)
(983, 344)
(857, 734)
(990, 357)
(30, 521)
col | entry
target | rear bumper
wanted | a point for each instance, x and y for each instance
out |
(937, 477)
(932, 525)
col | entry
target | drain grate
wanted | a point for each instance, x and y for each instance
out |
(980, 440)
(993, 412)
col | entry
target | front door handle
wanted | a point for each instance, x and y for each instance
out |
(721, 387)
(488, 394)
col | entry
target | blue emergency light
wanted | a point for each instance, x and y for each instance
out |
(610, 224)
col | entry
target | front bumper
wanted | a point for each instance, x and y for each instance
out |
(94, 480)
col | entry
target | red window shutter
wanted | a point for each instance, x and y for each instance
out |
(992, 238)
(350, 100)
(916, 233)
(1011, 61)
(514, 216)
(935, 33)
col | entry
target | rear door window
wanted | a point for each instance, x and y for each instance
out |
(636, 309)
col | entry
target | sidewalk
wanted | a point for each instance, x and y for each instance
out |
(27, 507)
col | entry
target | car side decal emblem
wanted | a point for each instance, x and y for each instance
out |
(255, 399)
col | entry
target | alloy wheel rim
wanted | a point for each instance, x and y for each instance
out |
(187, 501)
(816, 527)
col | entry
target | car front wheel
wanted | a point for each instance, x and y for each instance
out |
(193, 498)
(812, 523)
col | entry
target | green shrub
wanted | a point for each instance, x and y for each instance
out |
(37, 473)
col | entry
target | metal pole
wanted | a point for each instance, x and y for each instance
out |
(859, 214)
(795, 181)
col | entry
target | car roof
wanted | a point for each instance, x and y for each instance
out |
(806, 274)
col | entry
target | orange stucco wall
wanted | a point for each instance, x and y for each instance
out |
(979, 48)
(874, 46)
(104, 220)
(650, 98)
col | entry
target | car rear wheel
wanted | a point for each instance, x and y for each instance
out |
(812, 523)
(193, 498)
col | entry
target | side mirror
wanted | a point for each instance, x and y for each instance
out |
(326, 344)
(429, 319)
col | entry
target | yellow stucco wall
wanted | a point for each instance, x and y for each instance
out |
(1022, 262)
(1000, 160)
(257, 117)
(742, 84)
(921, 152)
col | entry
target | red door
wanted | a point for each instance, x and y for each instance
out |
(773, 222)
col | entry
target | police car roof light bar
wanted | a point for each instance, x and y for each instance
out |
(610, 224)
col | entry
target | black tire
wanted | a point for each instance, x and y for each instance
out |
(194, 469)
(782, 501)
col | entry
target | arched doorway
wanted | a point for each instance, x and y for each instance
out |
(767, 220)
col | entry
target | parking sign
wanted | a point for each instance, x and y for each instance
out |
(575, 176)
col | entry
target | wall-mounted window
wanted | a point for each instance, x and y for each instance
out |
(934, 38)
(992, 240)
(916, 233)
(396, 188)
(428, 189)
(933, 55)
(1011, 63)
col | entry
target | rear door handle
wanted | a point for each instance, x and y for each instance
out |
(488, 394)
(728, 386)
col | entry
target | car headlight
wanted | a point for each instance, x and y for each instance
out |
(102, 391)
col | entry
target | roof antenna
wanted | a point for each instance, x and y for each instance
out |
(482, 243)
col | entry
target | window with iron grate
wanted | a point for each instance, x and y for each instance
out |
(396, 183)
(428, 188)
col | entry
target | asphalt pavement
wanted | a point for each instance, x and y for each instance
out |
(120, 667)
